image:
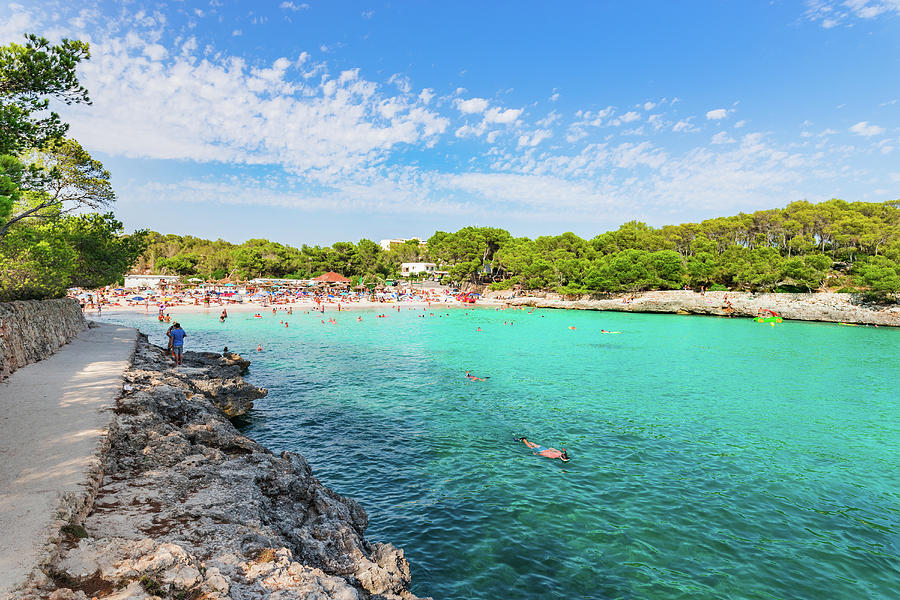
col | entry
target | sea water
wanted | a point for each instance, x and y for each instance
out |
(710, 457)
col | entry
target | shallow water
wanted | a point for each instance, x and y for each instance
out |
(711, 458)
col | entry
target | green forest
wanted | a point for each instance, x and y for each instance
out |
(803, 247)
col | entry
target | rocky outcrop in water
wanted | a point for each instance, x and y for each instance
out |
(33, 330)
(835, 308)
(190, 508)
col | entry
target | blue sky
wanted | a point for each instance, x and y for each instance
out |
(319, 121)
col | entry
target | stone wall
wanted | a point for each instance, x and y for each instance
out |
(33, 330)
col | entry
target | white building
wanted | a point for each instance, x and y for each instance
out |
(142, 281)
(407, 269)
(388, 244)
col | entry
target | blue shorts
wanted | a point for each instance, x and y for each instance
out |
(177, 350)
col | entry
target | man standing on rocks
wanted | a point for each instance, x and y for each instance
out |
(176, 335)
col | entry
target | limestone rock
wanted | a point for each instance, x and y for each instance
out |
(189, 505)
(828, 307)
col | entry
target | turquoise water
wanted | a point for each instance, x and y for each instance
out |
(711, 458)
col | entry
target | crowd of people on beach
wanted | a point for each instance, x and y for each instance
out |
(225, 296)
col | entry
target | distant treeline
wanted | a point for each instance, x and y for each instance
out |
(803, 247)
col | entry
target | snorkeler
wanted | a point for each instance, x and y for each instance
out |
(471, 377)
(547, 452)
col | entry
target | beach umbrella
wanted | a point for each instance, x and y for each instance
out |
(137, 298)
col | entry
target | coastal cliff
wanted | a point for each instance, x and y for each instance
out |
(190, 508)
(828, 307)
(32, 330)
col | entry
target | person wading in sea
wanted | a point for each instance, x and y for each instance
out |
(176, 337)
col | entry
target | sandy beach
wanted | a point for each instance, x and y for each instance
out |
(300, 305)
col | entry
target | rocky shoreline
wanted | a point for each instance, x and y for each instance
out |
(189, 508)
(826, 307)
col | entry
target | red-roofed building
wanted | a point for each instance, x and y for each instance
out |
(331, 277)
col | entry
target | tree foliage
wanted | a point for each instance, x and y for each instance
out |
(803, 247)
(44, 177)
(60, 175)
(30, 76)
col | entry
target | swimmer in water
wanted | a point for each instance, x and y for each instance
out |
(547, 452)
(471, 377)
(259, 348)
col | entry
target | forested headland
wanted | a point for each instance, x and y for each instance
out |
(804, 247)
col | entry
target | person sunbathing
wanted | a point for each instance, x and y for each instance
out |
(547, 452)
(471, 377)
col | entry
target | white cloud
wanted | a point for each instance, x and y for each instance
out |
(367, 14)
(722, 138)
(649, 106)
(554, 97)
(472, 105)
(426, 95)
(598, 118)
(864, 129)
(740, 124)
(155, 52)
(469, 131)
(575, 134)
(534, 138)
(629, 117)
(717, 114)
(831, 13)
(550, 119)
(535, 191)
(684, 126)
(224, 110)
(499, 115)
(401, 81)
(292, 6)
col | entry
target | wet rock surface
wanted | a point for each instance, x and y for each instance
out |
(190, 508)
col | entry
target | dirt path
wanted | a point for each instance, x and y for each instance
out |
(53, 417)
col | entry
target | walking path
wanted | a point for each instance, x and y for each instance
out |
(53, 416)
